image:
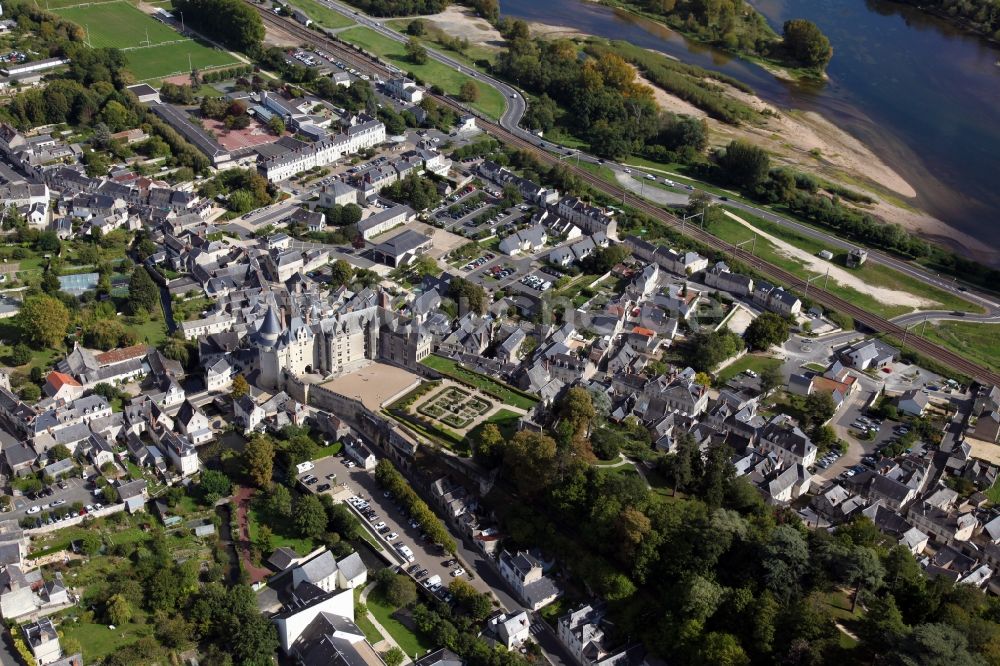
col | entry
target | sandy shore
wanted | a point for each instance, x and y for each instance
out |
(463, 22)
(809, 142)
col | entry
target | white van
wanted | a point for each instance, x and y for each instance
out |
(432, 582)
(405, 552)
(305, 466)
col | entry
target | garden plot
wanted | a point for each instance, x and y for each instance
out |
(456, 407)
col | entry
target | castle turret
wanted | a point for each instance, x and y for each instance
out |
(270, 328)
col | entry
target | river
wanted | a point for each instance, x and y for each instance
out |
(921, 94)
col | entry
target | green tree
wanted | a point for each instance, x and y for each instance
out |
(817, 408)
(528, 459)
(477, 606)
(469, 92)
(265, 539)
(278, 504)
(119, 610)
(90, 544)
(745, 164)
(767, 330)
(341, 273)
(143, 294)
(487, 444)
(30, 392)
(276, 125)
(415, 51)
(416, 27)
(770, 378)
(20, 354)
(393, 656)
(43, 320)
(258, 460)
(214, 485)
(805, 42)
(397, 589)
(60, 452)
(470, 296)
(309, 516)
(576, 409)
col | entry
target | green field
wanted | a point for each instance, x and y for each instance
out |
(169, 59)
(499, 390)
(98, 641)
(120, 25)
(322, 14)
(491, 102)
(977, 342)
(748, 362)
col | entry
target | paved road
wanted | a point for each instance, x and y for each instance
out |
(480, 574)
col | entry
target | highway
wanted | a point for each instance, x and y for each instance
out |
(508, 131)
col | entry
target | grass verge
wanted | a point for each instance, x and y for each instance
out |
(975, 341)
(326, 17)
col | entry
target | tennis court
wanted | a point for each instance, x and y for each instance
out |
(78, 283)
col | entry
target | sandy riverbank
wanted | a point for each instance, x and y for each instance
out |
(809, 142)
(459, 21)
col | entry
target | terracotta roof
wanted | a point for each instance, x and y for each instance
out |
(643, 331)
(123, 354)
(58, 379)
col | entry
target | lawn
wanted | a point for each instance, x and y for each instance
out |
(118, 24)
(507, 394)
(364, 623)
(994, 492)
(322, 14)
(98, 641)
(299, 545)
(121, 25)
(153, 331)
(975, 341)
(748, 362)
(168, 59)
(410, 642)
(491, 102)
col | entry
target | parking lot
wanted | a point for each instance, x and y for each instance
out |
(850, 425)
(76, 490)
(427, 558)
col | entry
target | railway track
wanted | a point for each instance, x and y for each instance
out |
(370, 64)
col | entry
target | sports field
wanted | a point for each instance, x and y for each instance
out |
(152, 49)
